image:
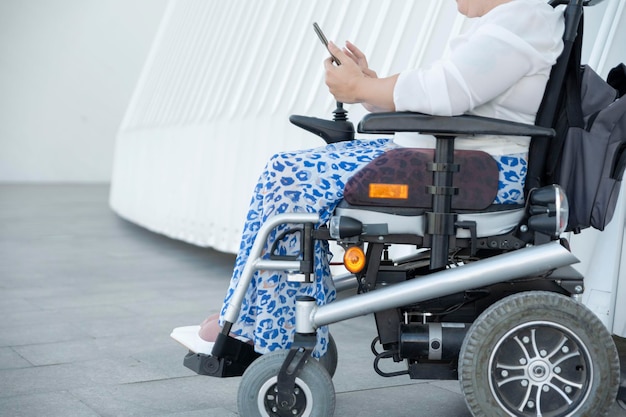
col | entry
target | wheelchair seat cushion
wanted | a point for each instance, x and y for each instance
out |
(477, 181)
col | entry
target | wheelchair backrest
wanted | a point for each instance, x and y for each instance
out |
(588, 153)
(553, 98)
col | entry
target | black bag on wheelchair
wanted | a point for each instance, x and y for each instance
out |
(588, 156)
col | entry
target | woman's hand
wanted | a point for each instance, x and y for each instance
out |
(344, 81)
(354, 82)
(359, 58)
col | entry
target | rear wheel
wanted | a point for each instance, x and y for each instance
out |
(330, 358)
(313, 395)
(539, 354)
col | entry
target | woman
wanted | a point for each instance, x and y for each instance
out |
(499, 69)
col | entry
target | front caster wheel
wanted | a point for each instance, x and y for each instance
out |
(313, 395)
(538, 354)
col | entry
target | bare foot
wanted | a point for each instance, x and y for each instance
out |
(210, 328)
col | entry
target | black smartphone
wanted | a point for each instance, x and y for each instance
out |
(324, 41)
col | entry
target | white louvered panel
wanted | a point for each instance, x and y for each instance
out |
(611, 38)
(213, 101)
(604, 264)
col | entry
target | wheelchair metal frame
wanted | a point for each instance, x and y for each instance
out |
(534, 254)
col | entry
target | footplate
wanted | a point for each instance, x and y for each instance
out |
(230, 357)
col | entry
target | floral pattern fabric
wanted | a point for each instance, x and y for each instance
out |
(311, 181)
(512, 170)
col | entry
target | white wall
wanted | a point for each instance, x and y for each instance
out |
(218, 87)
(67, 71)
(223, 77)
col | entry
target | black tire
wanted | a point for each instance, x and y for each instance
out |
(538, 354)
(314, 394)
(330, 358)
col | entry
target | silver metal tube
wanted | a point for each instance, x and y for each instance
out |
(255, 262)
(277, 265)
(304, 308)
(345, 282)
(517, 264)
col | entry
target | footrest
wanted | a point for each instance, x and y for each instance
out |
(235, 357)
(211, 366)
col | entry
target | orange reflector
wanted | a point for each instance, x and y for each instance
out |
(354, 259)
(395, 191)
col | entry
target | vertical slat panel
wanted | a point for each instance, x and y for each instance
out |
(221, 35)
(212, 103)
(612, 35)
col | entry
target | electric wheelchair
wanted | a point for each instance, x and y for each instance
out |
(489, 298)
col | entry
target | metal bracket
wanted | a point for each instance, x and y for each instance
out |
(440, 371)
(471, 226)
(368, 281)
(305, 255)
(299, 354)
(504, 242)
(231, 357)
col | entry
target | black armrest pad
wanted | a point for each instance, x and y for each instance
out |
(465, 125)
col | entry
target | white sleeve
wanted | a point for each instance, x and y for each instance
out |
(479, 68)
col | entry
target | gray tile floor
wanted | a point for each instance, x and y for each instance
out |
(87, 302)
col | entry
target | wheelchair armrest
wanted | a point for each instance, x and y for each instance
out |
(331, 131)
(555, 3)
(464, 125)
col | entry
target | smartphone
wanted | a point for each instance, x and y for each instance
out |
(324, 41)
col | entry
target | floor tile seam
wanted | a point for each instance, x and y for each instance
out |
(412, 384)
(32, 365)
(153, 411)
(90, 384)
(169, 378)
(72, 362)
(174, 413)
(447, 389)
(35, 367)
(47, 391)
(108, 355)
(124, 306)
(80, 400)
(37, 344)
(68, 392)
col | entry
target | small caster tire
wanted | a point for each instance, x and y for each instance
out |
(313, 395)
(330, 358)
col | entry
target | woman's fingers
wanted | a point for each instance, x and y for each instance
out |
(359, 57)
(356, 52)
(351, 55)
(328, 63)
(337, 53)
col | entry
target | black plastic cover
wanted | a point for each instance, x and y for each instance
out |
(452, 126)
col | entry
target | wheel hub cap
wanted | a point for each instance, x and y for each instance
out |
(540, 369)
(295, 405)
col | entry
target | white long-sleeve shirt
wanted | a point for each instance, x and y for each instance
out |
(498, 68)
